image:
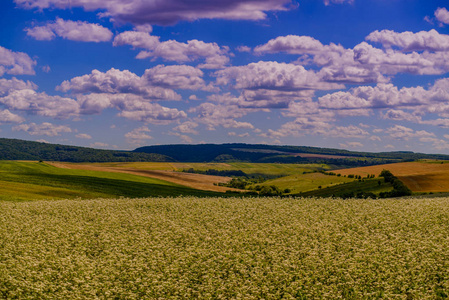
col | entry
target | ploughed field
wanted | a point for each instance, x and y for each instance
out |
(420, 176)
(225, 248)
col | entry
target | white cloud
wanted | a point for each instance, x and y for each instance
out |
(45, 128)
(177, 77)
(187, 127)
(213, 115)
(291, 44)
(116, 82)
(272, 75)
(84, 136)
(15, 63)
(409, 41)
(41, 104)
(167, 12)
(243, 49)
(138, 135)
(185, 138)
(400, 132)
(9, 85)
(215, 56)
(149, 112)
(442, 15)
(8, 117)
(70, 30)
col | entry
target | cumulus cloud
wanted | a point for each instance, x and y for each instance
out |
(243, 49)
(213, 115)
(116, 82)
(187, 127)
(214, 56)
(40, 103)
(381, 96)
(70, 30)
(177, 77)
(404, 133)
(130, 106)
(138, 135)
(45, 128)
(409, 41)
(167, 12)
(272, 75)
(442, 15)
(15, 63)
(8, 117)
(422, 53)
(292, 44)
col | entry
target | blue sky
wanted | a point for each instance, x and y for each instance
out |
(366, 75)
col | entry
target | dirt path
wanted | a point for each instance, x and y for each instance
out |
(196, 181)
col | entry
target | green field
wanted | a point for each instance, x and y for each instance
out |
(217, 248)
(305, 182)
(33, 180)
(354, 186)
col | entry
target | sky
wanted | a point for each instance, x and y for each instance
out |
(362, 75)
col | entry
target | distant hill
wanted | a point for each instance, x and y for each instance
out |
(13, 149)
(281, 154)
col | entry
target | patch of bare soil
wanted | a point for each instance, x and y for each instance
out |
(196, 181)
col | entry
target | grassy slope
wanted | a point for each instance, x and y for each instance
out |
(305, 182)
(32, 180)
(214, 248)
(355, 186)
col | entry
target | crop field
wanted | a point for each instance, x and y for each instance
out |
(33, 180)
(248, 168)
(306, 182)
(217, 248)
(421, 176)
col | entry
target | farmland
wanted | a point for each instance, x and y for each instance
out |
(306, 182)
(217, 248)
(420, 176)
(33, 180)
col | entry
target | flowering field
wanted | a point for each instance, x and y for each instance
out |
(216, 248)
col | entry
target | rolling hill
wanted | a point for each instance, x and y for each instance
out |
(13, 149)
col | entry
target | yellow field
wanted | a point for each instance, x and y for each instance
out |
(422, 176)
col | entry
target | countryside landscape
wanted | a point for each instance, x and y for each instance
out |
(225, 149)
(144, 225)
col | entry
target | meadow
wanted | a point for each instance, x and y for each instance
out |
(225, 248)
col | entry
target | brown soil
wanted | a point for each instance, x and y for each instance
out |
(418, 176)
(196, 181)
